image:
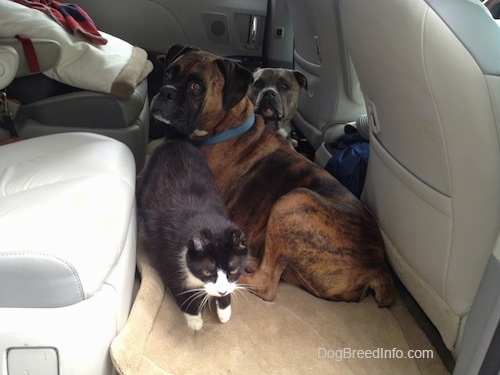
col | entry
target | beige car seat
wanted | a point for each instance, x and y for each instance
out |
(430, 75)
(68, 229)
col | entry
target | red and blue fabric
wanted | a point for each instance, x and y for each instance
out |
(70, 16)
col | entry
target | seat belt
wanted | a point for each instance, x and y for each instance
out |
(29, 51)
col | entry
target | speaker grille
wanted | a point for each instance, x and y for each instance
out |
(216, 27)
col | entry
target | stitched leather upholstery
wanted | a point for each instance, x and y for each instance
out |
(67, 260)
(433, 99)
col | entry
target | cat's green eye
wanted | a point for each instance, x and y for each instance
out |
(233, 271)
(208, 273)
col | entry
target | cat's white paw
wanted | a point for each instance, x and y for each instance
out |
(195, 322)
(224, 314)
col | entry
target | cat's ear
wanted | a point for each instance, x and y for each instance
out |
(199, 241)
(239, 240)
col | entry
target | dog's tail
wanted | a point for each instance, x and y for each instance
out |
(382, 285)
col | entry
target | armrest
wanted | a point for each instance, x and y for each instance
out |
(48, 53)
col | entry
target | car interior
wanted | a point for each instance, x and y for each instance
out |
(418, 80)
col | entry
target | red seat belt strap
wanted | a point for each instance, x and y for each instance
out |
(29, 51)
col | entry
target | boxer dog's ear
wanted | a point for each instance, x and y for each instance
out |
(237, 80)
(174, 52)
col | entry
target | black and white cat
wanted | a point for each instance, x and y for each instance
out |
(197, 250)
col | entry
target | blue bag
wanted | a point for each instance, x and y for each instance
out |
(348, 164)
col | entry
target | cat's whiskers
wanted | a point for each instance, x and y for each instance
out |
(204, 301)
(196, 293)
(242, 286)
(191, 291)
(240, 290)
(248, 287)
(235, 295)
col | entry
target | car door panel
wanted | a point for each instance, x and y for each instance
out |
(224, 27)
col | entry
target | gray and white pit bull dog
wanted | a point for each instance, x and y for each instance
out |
(275, 93)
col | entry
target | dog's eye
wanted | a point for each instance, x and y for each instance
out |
(168, 75)
(259, 84)
(196, 87)
(284, 86)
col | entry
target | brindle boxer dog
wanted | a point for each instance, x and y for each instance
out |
(303, 226)
(275, 93)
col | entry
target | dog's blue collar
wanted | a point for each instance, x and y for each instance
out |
(226, 135)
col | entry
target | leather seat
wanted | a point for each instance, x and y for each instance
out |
(67, 261)
(320, 54)
(430, 75)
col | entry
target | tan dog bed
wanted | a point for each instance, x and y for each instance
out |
(296, 334)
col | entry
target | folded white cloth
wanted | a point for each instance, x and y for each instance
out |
(114, 68)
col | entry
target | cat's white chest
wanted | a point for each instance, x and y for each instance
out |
(221, 287)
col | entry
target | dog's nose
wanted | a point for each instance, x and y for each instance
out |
(168, 93)
(270, 94)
